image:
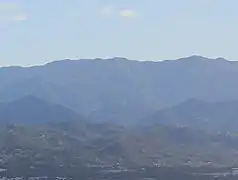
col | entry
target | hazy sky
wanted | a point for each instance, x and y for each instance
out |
(37, 31)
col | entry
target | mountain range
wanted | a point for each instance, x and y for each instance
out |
(122, 90)
(119, 112)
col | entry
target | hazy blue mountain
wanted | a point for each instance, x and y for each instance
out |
(122, 90)
(32, 110)
(213, 116)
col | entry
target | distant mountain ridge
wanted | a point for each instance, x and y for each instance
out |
(122, 90)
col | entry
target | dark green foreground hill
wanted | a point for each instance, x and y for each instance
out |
(79, 145)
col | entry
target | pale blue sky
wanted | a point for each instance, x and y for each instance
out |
(38, 31)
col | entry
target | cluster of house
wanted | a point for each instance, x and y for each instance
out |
(234, 171)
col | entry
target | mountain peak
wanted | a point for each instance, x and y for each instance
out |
(30, 99)
(119, 58)
(31, 109)
(221, 59)
(201, 58)
(194, 58)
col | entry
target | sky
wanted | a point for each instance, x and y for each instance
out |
(38, 31)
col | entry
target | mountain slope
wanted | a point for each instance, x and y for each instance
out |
(216, 116)
(122, 90)
(57, 147)
(30, 109)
